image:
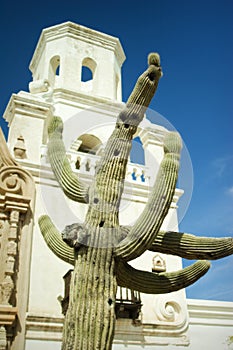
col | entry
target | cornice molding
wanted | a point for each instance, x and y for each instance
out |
(43, 327)
(24, 104)
(7, 315)
(88, 101)
(78, 32)
(209, 312)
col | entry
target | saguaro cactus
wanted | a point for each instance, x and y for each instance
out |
(100, 248)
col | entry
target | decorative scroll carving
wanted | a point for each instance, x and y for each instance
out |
(15, 180)
(170, 312)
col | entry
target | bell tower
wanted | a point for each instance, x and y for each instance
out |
(73, 68)
(67, 51)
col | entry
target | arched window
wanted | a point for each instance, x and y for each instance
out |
(87, 73)
(57, 70)
(90, 144)
(54, 69)
(137, 152)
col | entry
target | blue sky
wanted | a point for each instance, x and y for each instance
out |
(194, 39)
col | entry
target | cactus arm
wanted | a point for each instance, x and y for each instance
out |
(144, 231)
(106, 190)
(187, 245)
(192, 247)
(54, 240)
(142, 93)
(69, 182)
(159, 283)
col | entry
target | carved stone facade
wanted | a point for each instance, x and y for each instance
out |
(16, 197)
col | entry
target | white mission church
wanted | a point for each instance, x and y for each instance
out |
(33, 281)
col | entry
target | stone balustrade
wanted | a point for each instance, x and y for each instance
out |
(85, 164)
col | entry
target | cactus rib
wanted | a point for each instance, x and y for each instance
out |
(69, 182)
(192, 247)
(159, 283)
(142, 94)
(144, 231)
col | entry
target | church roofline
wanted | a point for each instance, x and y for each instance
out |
(73, 30)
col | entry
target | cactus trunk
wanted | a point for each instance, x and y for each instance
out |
(90, 318)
